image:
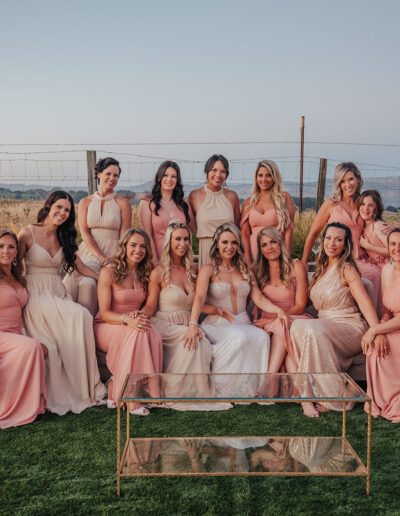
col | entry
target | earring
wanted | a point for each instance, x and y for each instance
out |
(15, 262)
(224, 184)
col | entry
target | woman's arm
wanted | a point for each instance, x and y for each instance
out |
(126, 215)
(265, 304)
(192, 222)
(24, 242)
(145, 217)
(319, 222)
(236, 207)
(85, 270)
(87, 237)
(289, 230)
(245, 231)
(301, 297)
(360, 295)
(154, 288)
(203, 281)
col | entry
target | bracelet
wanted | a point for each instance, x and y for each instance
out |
(194, 322)
(121, 319)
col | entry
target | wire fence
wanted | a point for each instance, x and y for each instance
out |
(47, 166)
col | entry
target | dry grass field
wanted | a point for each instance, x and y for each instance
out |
(15, 214)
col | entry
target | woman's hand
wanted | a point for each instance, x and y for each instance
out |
(283, 316)
(226, 314)
(190, 338)
(141, 322)
(364, 243)
(382, 347)
(261, 322)
(368, 340)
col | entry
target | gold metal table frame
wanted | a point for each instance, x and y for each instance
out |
(209, 456)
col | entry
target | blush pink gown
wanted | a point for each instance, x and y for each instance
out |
(160, 223)
(383, 376)
(378, 238)
(257, 222)
(128, 350)
(368, 270)
(284, 298)
(22, 365)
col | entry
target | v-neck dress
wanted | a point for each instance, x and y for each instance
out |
(66, 328)
(22, 366)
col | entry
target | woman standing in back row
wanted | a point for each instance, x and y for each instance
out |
(213, 204)
(103, 218)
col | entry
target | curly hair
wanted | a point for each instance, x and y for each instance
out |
(338, 175)
(261, 269)
(17, 269)
(104, 163)
(377, 201)
(278, 195)
(66, 232)
(346, 256)
(237, 261)
(177, 194)
(166, 258)
(119, 262)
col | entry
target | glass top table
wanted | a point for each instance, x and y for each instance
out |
(252, 387)
(240, 455)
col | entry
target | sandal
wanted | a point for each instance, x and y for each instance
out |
(111, 404)
(141, 411)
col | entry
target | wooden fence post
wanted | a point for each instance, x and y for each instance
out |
(301, 166)
(321, 183)
(91, 163)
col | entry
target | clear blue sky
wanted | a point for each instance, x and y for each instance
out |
(126, 71)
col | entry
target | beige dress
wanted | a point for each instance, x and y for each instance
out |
(215, 209)
(105, 228)
(329, 343)
(66, 328)
(172, 321)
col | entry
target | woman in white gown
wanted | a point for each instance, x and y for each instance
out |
(225, 285)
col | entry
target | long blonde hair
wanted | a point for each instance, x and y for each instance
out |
(261, 269)
(166, 259)
(338, 175)
(119, 263)
(238, 260)
(16, 269)
(346, 258)
(278, 196)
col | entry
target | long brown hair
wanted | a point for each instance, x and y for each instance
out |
(346, 257)
(261, 269)
(119, 264)
(238, 260)
(16, 270)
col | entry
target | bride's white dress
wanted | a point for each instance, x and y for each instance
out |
(238, 346)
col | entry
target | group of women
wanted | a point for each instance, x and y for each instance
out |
(242, 310)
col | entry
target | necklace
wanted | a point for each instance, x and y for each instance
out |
(226, 268)
(133, 277)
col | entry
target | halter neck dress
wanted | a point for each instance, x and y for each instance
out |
(105, 226)
(215, 209)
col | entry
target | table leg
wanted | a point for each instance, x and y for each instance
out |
(369, 448)
(127, 419)
(343, 428)
(118, 447)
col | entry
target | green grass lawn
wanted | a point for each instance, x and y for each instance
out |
(67, 465)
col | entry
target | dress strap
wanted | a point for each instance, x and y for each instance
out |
(108, 197)
(33, 236)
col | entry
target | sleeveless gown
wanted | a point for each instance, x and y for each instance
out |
(383, 376)
(160, 223)
(368, 270)
(215, 209)
(283, 297)
(65, 327)
(238, 346)
(329, 343)
(105, 229)
(257, 222)
(22, 366)
(172, 321)
(128, 350)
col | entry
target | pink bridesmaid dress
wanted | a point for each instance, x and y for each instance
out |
(283, 297)
(383, 376)
(257, 222)
(160, 223)
(22, 365)
(368, 270)
(378, 237)
(128, 350)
